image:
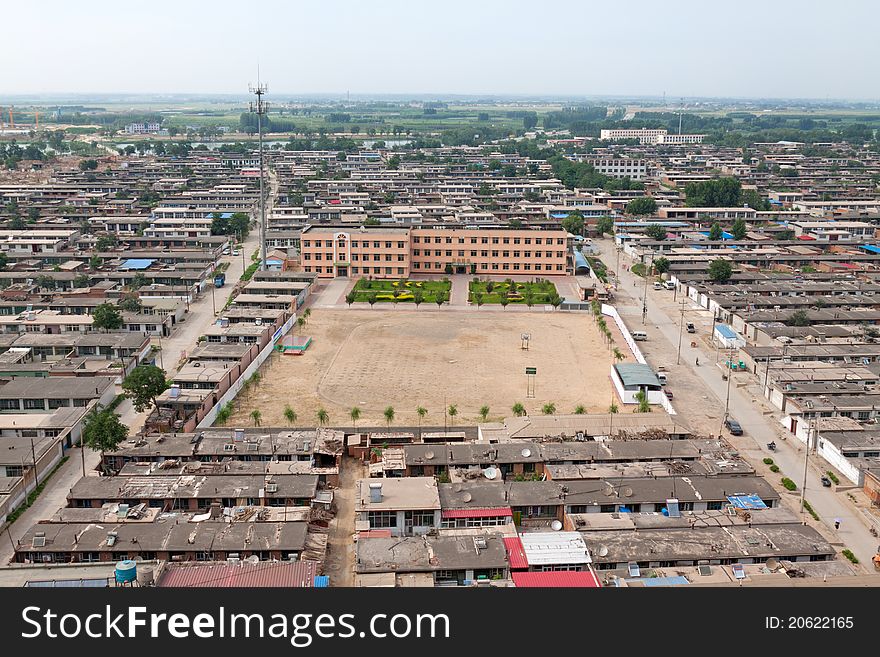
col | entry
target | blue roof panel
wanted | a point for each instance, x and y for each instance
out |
(137, 263)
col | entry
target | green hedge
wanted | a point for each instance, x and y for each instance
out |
(789, 484)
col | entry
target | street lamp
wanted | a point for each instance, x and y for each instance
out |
(645, 295)
(729, 375)
(769, 362)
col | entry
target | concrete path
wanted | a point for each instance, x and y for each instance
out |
(333, 294)
(460, 288)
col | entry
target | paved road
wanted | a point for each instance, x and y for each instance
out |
(663, 322)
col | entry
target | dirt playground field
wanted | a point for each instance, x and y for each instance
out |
(374, 359)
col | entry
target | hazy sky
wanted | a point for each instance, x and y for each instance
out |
(766, 48)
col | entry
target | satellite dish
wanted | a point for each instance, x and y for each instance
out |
(627, 492)
(429, 455)
(467, 497)
(526, 452)
(255, 559)
(490, 473)
(456, 488)
(603, 551)
(772, 563)
(608, 490)
(556, 525)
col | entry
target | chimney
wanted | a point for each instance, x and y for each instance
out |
(375, 493)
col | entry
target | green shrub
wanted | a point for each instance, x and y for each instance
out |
(810, 510)
(768, 461)
(774, 468)
(833, 477)
(849, 555)
(789, 484)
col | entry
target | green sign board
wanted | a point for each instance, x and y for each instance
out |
(531, 370)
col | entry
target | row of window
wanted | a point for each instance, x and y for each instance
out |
(485, 254)
(40, 404)
(387, 519)
(355, 257)
(506, 266)
(354, 244)
(495, 240)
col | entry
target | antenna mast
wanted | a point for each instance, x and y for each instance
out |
(260, 108)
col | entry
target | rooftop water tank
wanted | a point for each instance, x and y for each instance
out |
(126, 571)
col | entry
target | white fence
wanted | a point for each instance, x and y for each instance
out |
(611, 311)
(235, 388)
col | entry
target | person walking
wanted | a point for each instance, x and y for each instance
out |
(837, 523)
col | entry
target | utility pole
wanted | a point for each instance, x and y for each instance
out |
(729, 374)
(648, 269)
(680, 333)
(34, 457)
(82, 453)
(769, 361)
(810, 433)
(260, 108)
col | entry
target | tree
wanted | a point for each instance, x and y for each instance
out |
(656, 232)
(355, 415)
(350, 298)
(137, 282)
(612, 411)
(144, 385)
(504, 301)
(642, 206)
(785, 235)
(95, 263)
(661, 265)
(453, 411)
(574, 223)
(548, 408)
(103, 432)
(644, 406)
(421, 411)
(300, 322)
(530, 120)
(518, 409)
(106, 317)
(605, 225)
(130, 304)
(440, 299)
(289, 415)
(256, 416)
(478, 299)
(323, 416)
(799, 318)
(580, 409)
(81, 280)
(448, 269)
(720, 270)
(394, 162)
(45, 282)
(618, 354)
(718, 193)
(418, 298)
(389, 415)
(106, 242)
(715, 232)
(88, 165)
(371, 298)
(484, 412)
(739, 229)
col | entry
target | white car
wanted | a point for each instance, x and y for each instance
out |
(236, 252)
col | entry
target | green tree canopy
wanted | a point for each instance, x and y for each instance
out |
(720, 270)
(739, 229)
(144, 385)
(656, 232)
(715, 232)
(103, 431)
(661, 265)
(106, 317)
(718, 193)
(642, 206)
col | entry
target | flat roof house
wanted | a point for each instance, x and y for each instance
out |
(407, 506)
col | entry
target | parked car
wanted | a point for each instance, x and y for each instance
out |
(669, 285)
(658, 285)
(733, 426)
(691, 328)
(826, 482)
(668, 393)
(236, 252)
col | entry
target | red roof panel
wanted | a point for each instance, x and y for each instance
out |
(516, 554)
(297, 574)
(375, 533)
(501, 512)
(556, 579)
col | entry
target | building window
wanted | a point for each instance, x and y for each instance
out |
(420, 518)
(382, 519)
(33, 404)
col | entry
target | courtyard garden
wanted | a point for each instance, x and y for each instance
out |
(399, 291)
(537, 292)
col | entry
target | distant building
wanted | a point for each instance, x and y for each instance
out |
(143, 128)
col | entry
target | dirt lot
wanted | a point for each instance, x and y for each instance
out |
(373, 359)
